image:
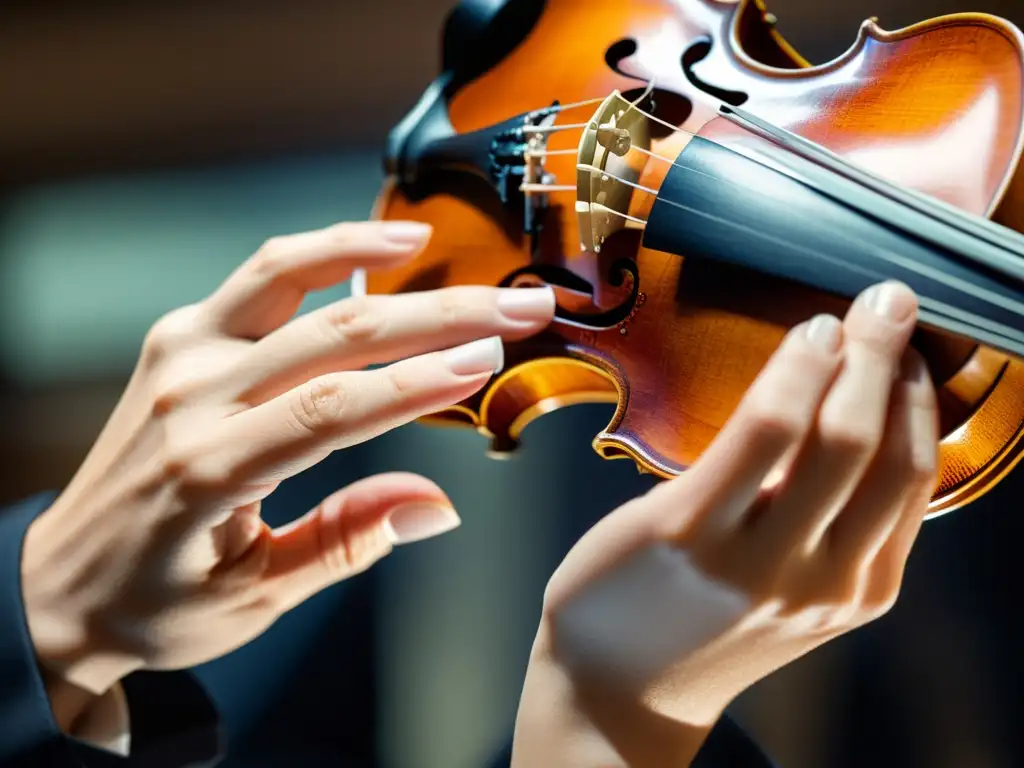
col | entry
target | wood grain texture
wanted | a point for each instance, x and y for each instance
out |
(936, 107)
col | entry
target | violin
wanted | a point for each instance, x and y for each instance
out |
(692, 188)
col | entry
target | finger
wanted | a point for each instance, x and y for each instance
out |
(358, 332)
(270, 286)
(351, 530)
(235, 536)
(882, 577)
(299, 428)
(773, 417)
(240, 525)
(903, 471)
(851, 422)
(891, 561)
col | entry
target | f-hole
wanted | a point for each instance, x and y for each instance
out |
(617, 53)
(668, 106)
(696, 53)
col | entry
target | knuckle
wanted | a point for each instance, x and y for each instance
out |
(347, 550)
(775, 420)
(356, 319)
(320, 404)
(460, 307)
(195, 475)
(349, 310)
(167, 398)
(848, 433)
(826, 616)
(167, 333)
(452, 307)
(403, 380)
(334, 546)
(347, 556)
(782, 403)
(269, 257)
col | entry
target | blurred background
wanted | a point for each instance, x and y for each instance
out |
(147, 148)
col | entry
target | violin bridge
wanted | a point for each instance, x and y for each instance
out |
(605, 159)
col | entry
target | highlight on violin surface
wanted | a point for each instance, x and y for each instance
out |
(692, 188)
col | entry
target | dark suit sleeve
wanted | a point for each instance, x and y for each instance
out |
(173, 721)
(727, 746)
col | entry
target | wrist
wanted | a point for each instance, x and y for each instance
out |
(67, 638)
(574, 721)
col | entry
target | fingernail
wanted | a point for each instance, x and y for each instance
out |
(406, 232)
(483, 356)
(417, 521)
(891, 300)
(527, 303)
(825, 332)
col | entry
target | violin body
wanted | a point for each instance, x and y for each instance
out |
(674, 342)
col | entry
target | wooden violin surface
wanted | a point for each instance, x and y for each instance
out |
(936, 108)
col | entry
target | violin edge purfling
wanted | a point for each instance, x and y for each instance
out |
(683, 336)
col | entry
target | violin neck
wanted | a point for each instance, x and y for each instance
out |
(789, 208)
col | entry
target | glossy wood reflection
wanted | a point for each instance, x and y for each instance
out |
(936, 107)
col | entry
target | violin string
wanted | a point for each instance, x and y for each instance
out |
(949, 281)
(556, 128)
(923, 270)
(550, 152)
(633, 105)
(937, 312)
(940, 310)
(654, 155)
(910, 265)
(956, 284)
(540, 187)
(619, 179)
(626, 216)
(578, 104)
(559, 108)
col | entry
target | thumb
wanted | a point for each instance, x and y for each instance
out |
(351, 530)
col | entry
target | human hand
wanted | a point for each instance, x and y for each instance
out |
(793, 528)
(155, 555)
